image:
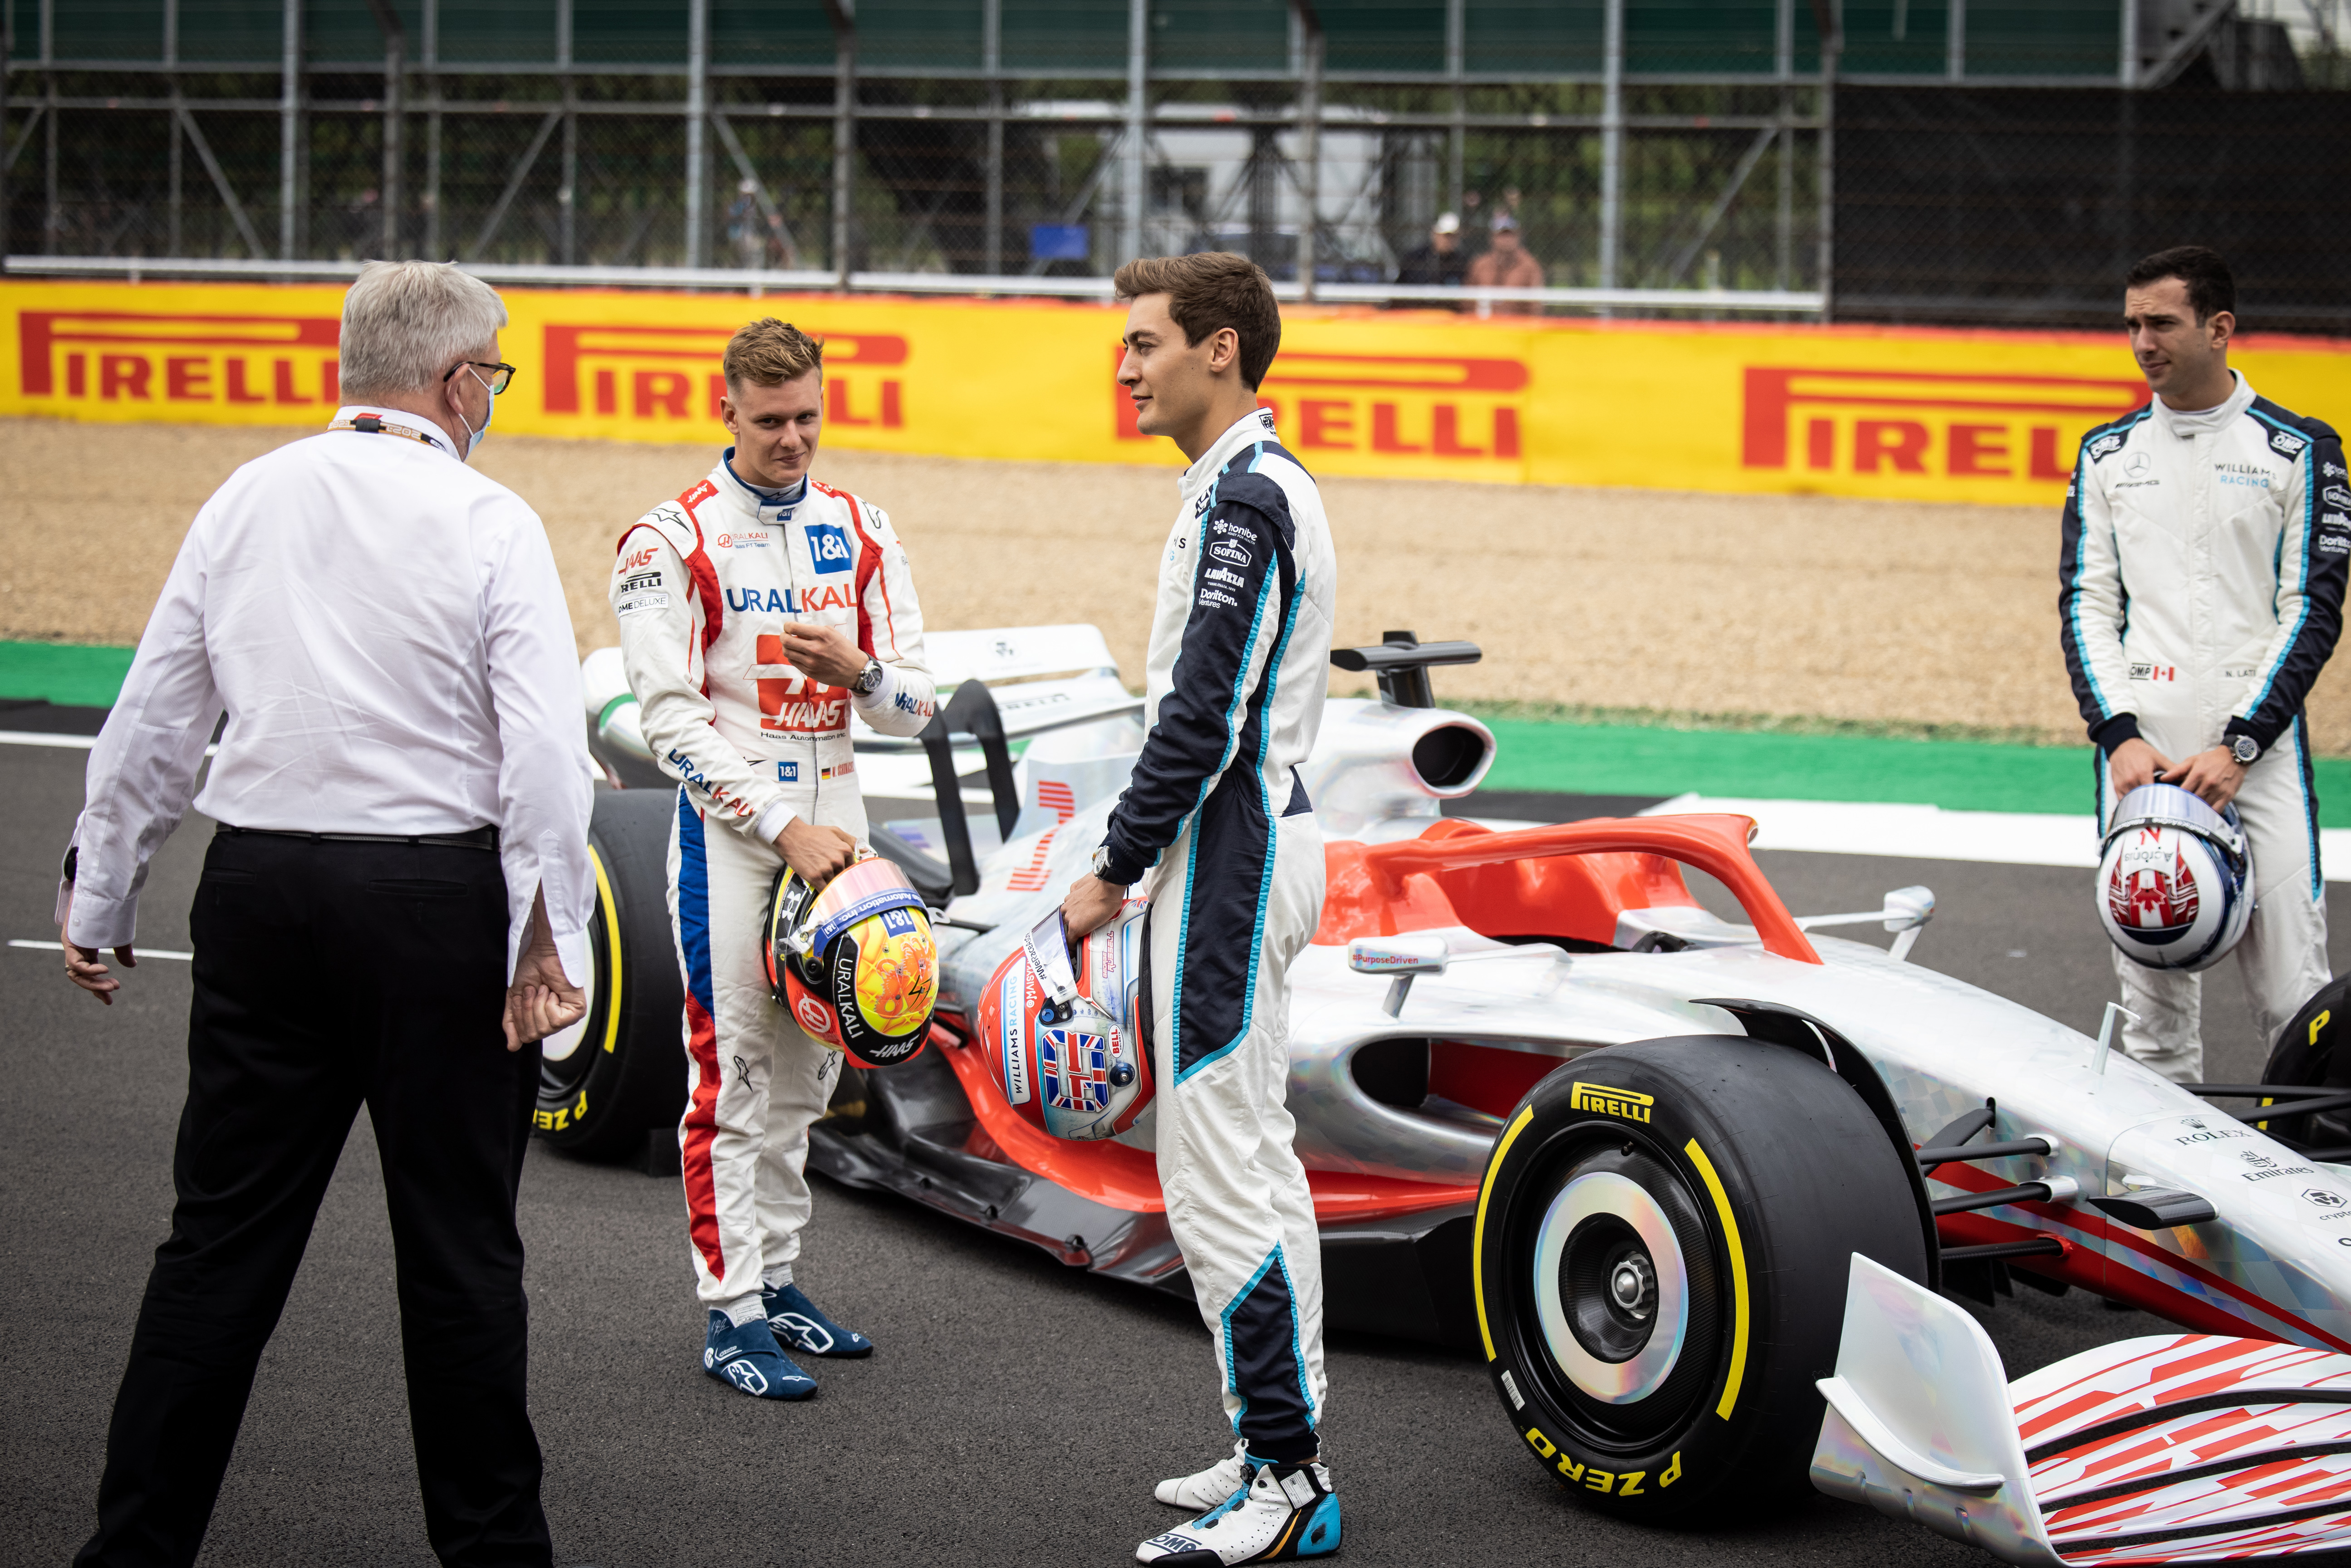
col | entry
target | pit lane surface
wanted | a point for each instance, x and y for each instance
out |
(1016, 1411)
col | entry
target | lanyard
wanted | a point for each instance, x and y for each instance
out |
(376, 424)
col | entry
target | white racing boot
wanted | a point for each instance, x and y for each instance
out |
(1288, 1512)
(1204, 1489)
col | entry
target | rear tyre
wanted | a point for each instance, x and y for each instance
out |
(622, 1070)
(2310, 1054)
(1662, 1245)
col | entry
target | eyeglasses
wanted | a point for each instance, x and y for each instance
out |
(501, 374)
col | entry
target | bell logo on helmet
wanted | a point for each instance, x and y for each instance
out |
(1607, 1099)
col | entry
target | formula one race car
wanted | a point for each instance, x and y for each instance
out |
(1554, 1110)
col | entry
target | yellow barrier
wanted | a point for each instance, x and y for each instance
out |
(1914, 414)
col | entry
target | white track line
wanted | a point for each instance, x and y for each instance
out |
(37, 737)
(51, 947)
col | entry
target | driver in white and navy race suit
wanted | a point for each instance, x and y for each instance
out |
(705, 588)
(2202, 576)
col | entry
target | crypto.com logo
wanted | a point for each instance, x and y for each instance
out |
(1439, 405)
(1962, 425)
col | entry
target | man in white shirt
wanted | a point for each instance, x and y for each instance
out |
(757, 611)
(388, 915)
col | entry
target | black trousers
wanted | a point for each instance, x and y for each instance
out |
(329, 975)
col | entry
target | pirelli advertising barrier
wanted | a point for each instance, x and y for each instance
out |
(1848, 410)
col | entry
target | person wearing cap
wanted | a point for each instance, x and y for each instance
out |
(1507, 265)
(1439, 263)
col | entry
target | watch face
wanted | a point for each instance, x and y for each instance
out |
(2246, 748)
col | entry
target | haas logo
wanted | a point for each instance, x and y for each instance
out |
(2152, 891)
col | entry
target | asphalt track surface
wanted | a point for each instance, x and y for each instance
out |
(1016, 1411)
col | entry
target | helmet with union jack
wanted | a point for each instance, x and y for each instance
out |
(1062, 1026)
(853, 961)
(2176, 882)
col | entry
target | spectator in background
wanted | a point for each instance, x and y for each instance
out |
(1508, 265)
(1438, 263)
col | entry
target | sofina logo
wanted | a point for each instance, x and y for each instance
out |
(828, 547)
(1607, 1099)
(1925, 422)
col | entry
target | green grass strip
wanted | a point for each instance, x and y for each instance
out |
(1958, 775)
(63, 672)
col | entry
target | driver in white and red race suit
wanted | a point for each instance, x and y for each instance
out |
(756, 611)
(2200, 594)
(1215, 822)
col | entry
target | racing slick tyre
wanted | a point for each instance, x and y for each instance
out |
(1662, 1243)
(622, 1071)
(2312, 1050)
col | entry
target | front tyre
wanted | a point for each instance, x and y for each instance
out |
(1661, 1250)
(622, 1070)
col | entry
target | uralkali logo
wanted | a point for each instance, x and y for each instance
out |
(1402, 405)
(144, 358)
(1851, 421)
(671, 373)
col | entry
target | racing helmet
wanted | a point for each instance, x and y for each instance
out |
(2176, 880)
(1062, 1027)
(853, 961)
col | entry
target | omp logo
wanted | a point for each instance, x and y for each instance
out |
(135, 357)
(1392, 404)
(590, 367)
(1922, 422)
(1607, 1099)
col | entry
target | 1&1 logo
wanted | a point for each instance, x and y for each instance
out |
(828, 547)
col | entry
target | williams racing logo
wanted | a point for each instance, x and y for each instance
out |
(1607, 1099)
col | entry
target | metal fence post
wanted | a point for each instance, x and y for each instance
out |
(1457, 136)
(1955, 42)
(395, 68)
(7, 39)
(843, 15)
(991, 60)
(52, 214)
(567, 199)
(2127, 70)
(1310, 115)
(1612, 141)
(1828, 15)
(432, 133)
(173, 200)
(289, 105)
(1138, 64)
(1783, 230)
(697, 127)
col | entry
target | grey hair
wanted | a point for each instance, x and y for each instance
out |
(406, 322)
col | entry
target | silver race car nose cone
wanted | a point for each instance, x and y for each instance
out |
(1611, 1291)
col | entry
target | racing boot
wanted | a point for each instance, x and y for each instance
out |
(1204, 1490)
(797, 1321)
(1286, 1513)
(748, 1358)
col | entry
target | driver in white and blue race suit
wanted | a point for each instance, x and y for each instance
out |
(1217, 825)
(2203, 572)
(756, 611)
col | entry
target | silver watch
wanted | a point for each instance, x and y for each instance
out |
(2245, 749)
(1102, 862)
(869, 679)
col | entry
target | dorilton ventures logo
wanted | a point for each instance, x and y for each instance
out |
(141, 358)
(1404, 405)
(671, 374)
(1924, 422)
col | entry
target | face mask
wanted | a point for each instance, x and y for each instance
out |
(473, 438)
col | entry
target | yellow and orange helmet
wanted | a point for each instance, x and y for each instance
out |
(854, 961)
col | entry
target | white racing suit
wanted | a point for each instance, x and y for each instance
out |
(2202, 581)
(1218, 824)
(703, 588)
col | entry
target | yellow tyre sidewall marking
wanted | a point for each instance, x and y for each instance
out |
(611, 952)
(1478, 1237)
(1739, 1311)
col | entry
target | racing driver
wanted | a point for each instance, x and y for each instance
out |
(1215, 822)
(757, 611)
(2200, 594)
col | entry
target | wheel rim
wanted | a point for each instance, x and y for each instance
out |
(1611, 1287)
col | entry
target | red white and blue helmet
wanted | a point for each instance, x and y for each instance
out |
(1066, 1047)
(2176, 882)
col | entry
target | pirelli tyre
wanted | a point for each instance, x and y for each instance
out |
(2313, 1051)
(621, 1070)
(1662, 1243)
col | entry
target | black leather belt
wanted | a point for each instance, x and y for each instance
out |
(484, 838)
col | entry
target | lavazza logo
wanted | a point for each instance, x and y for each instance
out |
(1953, 425)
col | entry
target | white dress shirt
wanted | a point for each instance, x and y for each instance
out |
(387, 634)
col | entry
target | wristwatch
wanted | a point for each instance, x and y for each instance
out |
(1102, 862)
(2245, 749)
(869, 679)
